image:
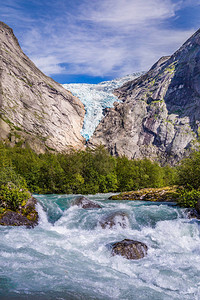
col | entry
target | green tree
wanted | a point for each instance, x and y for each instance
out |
(7, 171)
(127, 174)
(150, 173)
(189, 172)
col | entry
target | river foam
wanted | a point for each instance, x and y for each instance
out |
(67, 256)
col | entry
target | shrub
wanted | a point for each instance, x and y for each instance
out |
(188, 198)
(7, 171)
(12, 197)
(189, 172)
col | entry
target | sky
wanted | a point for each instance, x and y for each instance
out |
(91, 41)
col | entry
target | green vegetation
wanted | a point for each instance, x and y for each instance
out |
(189, 178)
(12, 197)
(189, 172)
(13, 188)
(90, 171)
(137, 174)
(188, 198)
(186, 176)
(164, 194)
(12, 126)
(171, 68)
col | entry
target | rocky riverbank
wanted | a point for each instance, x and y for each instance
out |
(25, 215)
(165, 194)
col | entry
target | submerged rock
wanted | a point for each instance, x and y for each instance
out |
(129, 249)
(85, 203)
(117, 218)
(25, 216)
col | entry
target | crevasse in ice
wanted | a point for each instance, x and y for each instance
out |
(96, 97)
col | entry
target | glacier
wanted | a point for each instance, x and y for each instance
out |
(97, 97)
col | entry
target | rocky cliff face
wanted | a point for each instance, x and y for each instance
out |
(159, 117)
(34, 109)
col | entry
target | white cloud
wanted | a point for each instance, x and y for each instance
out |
(193, 3)
(155, 46)
(104, 37)
(126, 12)
(49, 65)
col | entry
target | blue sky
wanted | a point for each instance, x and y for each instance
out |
(95, 40)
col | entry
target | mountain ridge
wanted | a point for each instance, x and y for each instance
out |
(34, 109)
(160, 111)
(156, 115)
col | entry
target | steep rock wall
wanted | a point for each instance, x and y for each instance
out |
(159, 117)
(34, 109)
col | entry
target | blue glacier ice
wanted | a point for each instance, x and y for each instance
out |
(97, 97)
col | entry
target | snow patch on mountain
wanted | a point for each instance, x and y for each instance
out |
(97, 97)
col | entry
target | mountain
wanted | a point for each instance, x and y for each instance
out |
(159, 116)
(96, 98)
(34, 109)
(156, 115)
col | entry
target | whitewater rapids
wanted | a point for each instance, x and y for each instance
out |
(67, 255)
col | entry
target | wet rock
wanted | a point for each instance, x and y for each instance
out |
(85, 203)
(192, 213)
(129, 249)
(25, 216)
(117, 218)
(12, 218)
(197, 207)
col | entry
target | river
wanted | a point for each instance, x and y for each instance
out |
(67, 255)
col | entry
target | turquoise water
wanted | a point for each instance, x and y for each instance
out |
(67, 255)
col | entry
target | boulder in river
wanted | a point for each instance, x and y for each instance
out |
(129, 249)
(85, 203)
(25, 216)
(117, 218)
